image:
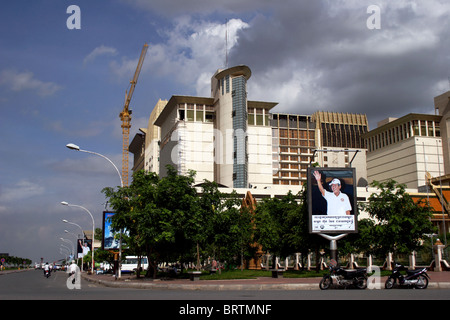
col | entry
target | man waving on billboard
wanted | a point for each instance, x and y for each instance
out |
(338, 203)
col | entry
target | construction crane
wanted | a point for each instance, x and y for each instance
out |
(125, 116)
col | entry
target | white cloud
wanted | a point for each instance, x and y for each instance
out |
(193, 51)
(125, 68)
(293, 88)
(22, 190)
(99, 51)
(21, 81)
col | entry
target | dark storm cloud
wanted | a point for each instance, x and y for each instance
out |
(341, 65)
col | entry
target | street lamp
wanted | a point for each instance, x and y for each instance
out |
(68, 249)
(71, 243)
(75, 147)
(82, 234)
(64, 203)
(76, 237)
(69, 222)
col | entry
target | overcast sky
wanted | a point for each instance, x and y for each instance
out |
(61, 85)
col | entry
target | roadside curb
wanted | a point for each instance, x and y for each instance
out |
(13, 271)
(439, 285)
(222, 287)
(203, 286)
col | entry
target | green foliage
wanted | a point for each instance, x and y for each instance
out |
(16, 261)
(400, 223)
(231, 229)
(168, 221)
(271, 224)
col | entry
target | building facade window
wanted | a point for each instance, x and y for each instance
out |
(239, 100)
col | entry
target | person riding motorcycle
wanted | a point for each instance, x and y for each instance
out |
(72, 268)
(46, 269)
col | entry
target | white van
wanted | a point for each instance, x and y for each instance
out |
(130, 264)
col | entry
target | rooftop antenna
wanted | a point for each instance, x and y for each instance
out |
(226, 44)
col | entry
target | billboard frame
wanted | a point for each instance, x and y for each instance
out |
(80, 244)
(107, 232)
(323, 223)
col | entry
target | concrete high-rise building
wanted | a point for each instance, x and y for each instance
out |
(152, 138)
(187, 136)
(339, 137)
(245, 156)
(145, 144)
(224, 138)
(405, 149)
(442, 105)
(331, 139)
(294, 141)
(241, 144)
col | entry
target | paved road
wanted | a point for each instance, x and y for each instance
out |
(31, 285)
(227, 304)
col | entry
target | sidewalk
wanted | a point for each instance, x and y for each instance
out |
(439, 280)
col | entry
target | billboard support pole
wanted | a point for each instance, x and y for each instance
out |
(333, 244)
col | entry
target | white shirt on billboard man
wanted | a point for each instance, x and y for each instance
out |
(338, 203)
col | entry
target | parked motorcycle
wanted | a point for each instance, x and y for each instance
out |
(417, 278)
(343, 277)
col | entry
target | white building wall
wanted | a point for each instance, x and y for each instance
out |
(259, 155)
(405, 161)
(198, 150)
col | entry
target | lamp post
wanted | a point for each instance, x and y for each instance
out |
(64, 203)
(77, 148)
(82, 233)
(66, 248)
(76, 237)
(71, 243)
(73, 146)
(67, 255)
(69, 222)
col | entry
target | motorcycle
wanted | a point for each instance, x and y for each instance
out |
(343, 277)
(417, 278)
(47, 273)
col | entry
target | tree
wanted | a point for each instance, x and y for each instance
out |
(303, 240)
(363, 241)
(137, 213)
(232, 230)
(400, 223)
(278, 225)
(160, 215)
(209, 204)
(177, 198)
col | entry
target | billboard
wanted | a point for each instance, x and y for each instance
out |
(83, 247)
(110, 239)
(332, 200)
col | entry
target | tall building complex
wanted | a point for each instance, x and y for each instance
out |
(224, 138)
(240, 143)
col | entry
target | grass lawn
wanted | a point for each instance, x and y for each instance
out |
(252, 274)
